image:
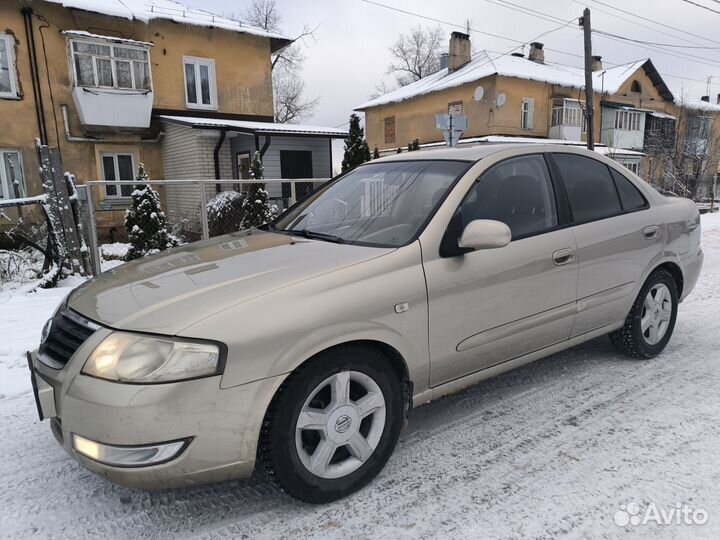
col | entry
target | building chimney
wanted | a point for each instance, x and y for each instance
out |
(596, 63)
(536, 52)
(705, 98)
(459, 50)
(444, 60)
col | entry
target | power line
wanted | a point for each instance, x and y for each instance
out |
(705, 47)
(701, 6)
(652, 21)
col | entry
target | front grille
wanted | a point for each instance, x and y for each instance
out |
(67, 333)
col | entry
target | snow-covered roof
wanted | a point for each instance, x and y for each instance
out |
(147, 10)
(82, 34)
(246, 126)
(488, 63)
(700, 105)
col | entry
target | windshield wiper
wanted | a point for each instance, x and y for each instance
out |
(307, 233)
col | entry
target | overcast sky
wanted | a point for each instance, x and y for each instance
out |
(350, 54)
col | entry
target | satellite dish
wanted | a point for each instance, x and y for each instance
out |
(479, 93)
(500, 101)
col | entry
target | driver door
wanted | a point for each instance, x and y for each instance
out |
(490, 306)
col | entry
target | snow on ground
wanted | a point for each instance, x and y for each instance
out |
(551, 450)
(22, 317)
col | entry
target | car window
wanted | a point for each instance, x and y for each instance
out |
(630, 196)
(590, 188)
(378, 204)
(517, 192)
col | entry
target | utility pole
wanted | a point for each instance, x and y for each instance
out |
(589, 124)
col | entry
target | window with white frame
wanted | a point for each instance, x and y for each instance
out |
(12, 179)
(8, 81)
(632, 166)
(118, 166)
(526, 117)
(627, 120)
(200, 83)
(103, 64)
(566, 112)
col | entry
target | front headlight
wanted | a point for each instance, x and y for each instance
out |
(125, 357)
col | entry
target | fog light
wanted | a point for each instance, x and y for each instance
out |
(128, 456)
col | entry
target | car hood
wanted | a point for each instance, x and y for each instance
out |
(170, 291)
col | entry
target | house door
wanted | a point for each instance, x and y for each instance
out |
(296, 164)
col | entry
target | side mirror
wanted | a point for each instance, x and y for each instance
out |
(485, 234)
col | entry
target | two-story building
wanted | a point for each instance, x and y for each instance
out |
(113, 83)
(523, 96)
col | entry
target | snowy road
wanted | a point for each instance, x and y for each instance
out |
(550, 450)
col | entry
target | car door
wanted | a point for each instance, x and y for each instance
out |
(489, 306)
(616, 234)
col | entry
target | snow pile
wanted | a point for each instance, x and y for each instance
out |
(147, 10)
(487, 63)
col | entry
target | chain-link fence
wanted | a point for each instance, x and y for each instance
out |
(173, 212)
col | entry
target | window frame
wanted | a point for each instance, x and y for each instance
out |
(9, 40)
(4, 181)
(627, 120)
(196, 62)
(571, 222)
(116, 166)
(113, 66)
(646, 205)
(526, 116)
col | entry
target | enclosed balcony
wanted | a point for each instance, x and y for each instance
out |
(112, 80)
(567, 120)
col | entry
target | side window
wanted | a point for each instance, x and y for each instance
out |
(630, 196)
(590, 188)
(200, 83)
(517, 192)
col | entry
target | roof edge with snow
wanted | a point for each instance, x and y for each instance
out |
(255, 128)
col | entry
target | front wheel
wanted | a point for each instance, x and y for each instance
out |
(333, 425)
(651, 321)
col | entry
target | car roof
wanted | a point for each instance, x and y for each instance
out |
(479, 151)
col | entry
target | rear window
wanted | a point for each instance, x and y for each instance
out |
(590, 188)
(630, 196)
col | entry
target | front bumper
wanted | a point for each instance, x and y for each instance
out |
(221, 426)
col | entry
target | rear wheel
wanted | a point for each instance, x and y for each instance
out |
(651, 321)
(333, 425)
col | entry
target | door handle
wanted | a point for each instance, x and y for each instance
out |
(563, 256)
(650, 232)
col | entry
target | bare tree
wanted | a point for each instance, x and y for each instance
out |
(683, 154)
(416, 54)
(291, 105)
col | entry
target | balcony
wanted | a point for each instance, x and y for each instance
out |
(623, 127)
(112, 80)
(567, 120)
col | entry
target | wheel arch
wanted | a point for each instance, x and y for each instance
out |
(675, 271)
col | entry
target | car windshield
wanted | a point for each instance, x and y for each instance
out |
(378, 204)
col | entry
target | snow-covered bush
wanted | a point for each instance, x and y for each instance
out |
(145, 221)
(256, 208)
(224, 213)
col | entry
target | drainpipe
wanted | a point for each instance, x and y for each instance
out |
(265, 146)
(216, 157)
(35, 74)
(72, 138)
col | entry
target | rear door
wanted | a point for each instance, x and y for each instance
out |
(489, 306)
(616, 237)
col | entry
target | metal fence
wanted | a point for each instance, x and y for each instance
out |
(193, 209)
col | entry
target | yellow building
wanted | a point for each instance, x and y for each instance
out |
(518, 96)
(110, 86)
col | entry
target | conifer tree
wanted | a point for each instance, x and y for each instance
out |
(357, 150)
(145, 221)
(256, 207)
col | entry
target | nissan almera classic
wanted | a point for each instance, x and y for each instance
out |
(299, 347)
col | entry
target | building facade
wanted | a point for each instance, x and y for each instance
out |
(96, 81)
(518, 96)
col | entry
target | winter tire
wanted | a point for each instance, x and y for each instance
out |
(651, 321)
(333, 424)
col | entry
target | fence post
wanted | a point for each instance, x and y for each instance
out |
(203, 212)
(92, 232)
(293, 195)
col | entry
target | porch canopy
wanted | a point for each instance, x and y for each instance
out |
(256, 128)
